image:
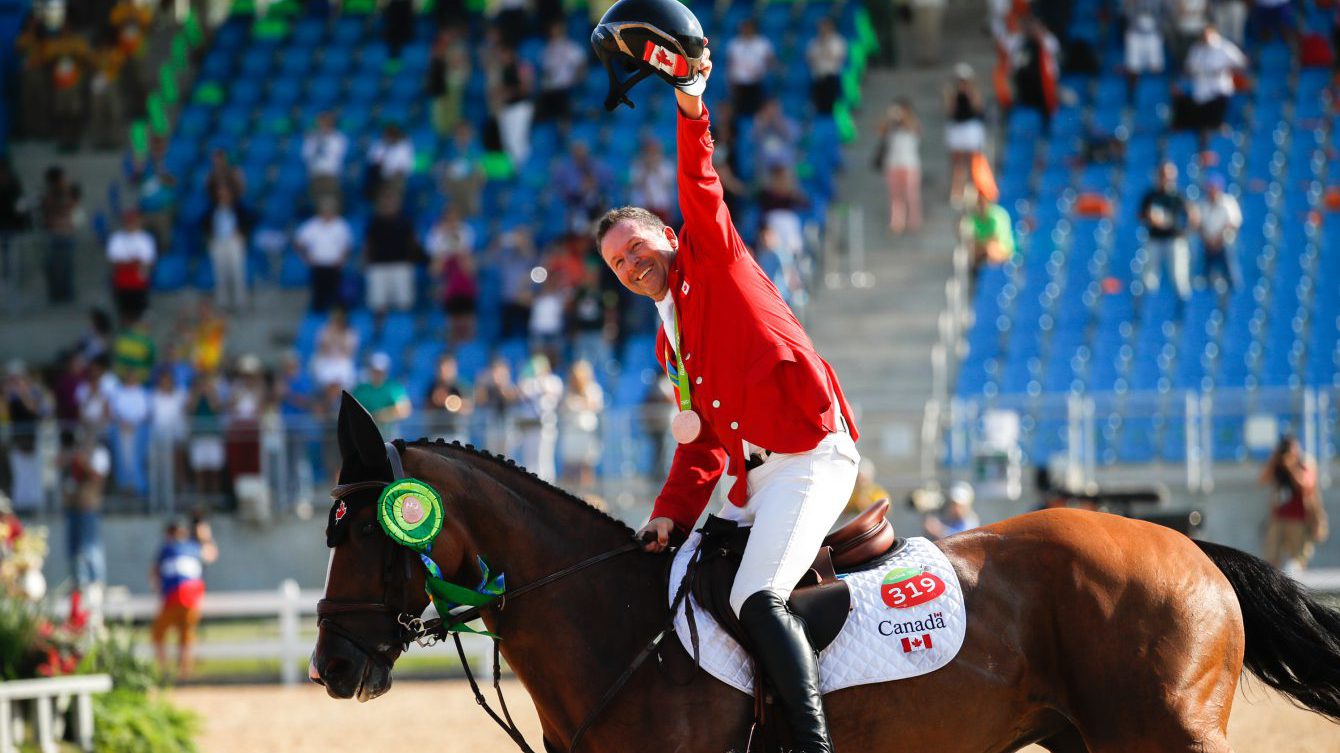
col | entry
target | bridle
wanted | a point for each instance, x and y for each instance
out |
(397, 605)
(413, 628)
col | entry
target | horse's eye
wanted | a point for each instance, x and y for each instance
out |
(368, 529)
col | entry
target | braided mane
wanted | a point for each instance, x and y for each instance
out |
(440, 447)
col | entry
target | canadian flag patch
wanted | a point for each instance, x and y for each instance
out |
(341, 511)
(917, 643)
(665, 60)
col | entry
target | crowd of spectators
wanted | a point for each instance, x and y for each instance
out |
(178, 413)
(151, 418)
(85, 71)
(393, 249)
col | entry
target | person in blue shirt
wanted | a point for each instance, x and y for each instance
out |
(178, 575)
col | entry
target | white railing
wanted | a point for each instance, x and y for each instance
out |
(1259, 417)
(289, 604)
(45, 692)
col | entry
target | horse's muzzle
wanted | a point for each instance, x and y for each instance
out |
(346, 671)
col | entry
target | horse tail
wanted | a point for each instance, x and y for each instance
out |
(1293, 641)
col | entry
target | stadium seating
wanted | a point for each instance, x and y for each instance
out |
(260, 85)
(1070, 315)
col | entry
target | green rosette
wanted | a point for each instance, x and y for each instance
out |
(410, 512)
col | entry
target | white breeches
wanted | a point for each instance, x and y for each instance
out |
(794, 499)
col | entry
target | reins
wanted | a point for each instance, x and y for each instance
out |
(414, 629)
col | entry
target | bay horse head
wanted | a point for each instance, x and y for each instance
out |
(374, 585)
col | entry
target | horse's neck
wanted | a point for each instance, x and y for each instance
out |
(568, 640)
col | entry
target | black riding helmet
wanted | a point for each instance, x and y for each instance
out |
(645, 37)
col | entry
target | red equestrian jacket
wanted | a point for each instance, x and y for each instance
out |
(753, 373)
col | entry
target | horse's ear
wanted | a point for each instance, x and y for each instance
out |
(361, 441)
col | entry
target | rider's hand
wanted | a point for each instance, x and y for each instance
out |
(658, 531)
(692, 104)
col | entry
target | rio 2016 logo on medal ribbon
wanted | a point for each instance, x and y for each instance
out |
(410, 512)
(906, 587)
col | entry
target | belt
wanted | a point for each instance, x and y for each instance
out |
(755, 459)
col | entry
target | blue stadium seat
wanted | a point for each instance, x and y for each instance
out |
(364, 87)
(293, 272)
(285, 92)
(246, 92)
(194, 121)
(217, 65)
(308, 33)
(471, 358)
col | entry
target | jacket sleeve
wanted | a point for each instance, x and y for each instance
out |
(701, 197)
(693, 475)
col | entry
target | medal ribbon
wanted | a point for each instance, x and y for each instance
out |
(682, 377)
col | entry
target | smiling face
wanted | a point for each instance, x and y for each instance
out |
(640, 256)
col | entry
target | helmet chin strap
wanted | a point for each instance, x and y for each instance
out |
(619, 89)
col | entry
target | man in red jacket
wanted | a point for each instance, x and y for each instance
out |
(756, 402)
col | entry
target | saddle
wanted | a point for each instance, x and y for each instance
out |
(820, 598)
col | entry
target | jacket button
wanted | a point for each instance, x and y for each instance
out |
(716, 403)
(699, 380)
(687, 356)
(734, 425)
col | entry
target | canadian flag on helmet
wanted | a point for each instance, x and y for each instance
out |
(665, 60)
(918, 643)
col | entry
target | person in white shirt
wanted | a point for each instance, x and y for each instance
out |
(323, 151)
(1210, 64)
(562, 66)
(391, 159)
(748, 58)
(227, 227)
(336, 345)
(547, 319)
(827, 56)
(325, 242)
(539, 392)
(653, 181)
(902, 167)
(167, 434)
(131, 251)
(129, 405)
(1144, 36)
(511, 85)
(1219, 220)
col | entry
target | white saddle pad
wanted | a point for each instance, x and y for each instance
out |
(907, 619)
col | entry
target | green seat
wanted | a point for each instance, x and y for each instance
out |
(497, 166)
(209, 93)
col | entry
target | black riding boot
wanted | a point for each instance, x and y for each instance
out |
(783, 648)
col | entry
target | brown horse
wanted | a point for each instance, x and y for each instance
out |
(1088, 632)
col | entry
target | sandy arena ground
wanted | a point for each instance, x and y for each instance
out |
(442, 717)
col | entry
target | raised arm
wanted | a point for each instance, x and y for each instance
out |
(701, 199)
